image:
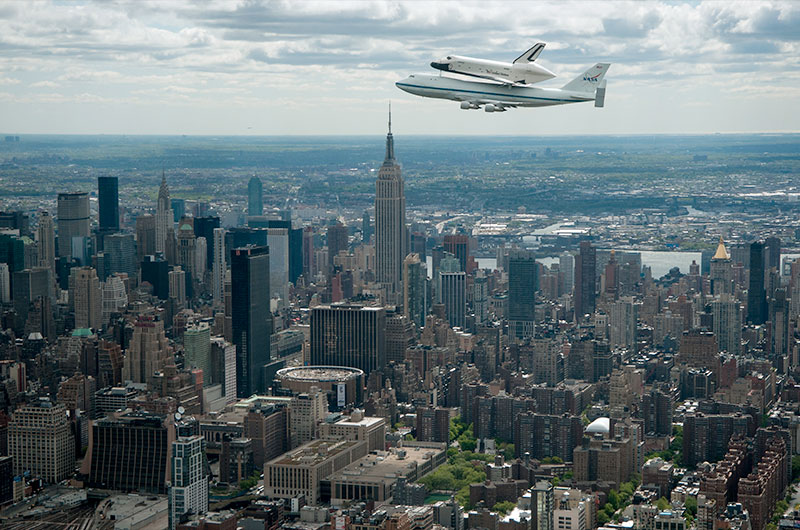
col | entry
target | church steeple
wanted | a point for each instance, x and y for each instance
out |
(389, 160)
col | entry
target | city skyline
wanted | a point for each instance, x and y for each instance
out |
(303, 68)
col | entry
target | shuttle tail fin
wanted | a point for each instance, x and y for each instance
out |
(530, 55)
(589, 80)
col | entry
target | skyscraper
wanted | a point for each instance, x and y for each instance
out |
(219, 266)
(337, 241)
(47, 243)
(188, 489)
(585, 277)
(40, 441)
(73, 220)
(108, 199)
(148, 351)
(454, 297)
(756, 294)
(390, 222)
(121, 251)
(204, 227)
(727, 314)
(349, 335)
(197, 350)
(85, 298)
(566, 264)
(415, 292)
(251, 317)
(145, 236)
(164, 215)
(255, 199)
(458, 245)
(521, 289)
(721, 270)
(278, 242)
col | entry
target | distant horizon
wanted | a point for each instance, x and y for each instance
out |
(408, 135)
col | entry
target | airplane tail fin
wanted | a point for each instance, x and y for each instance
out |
(589, 80)
(530, 55)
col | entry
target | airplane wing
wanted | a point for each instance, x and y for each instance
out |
(530, 55)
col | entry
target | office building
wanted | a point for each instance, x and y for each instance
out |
(188, 489)
(86, 298)
(204, 227)
(622, 324)
(148, 352)
(177, 286)
(236, 462)
(521, 290)
(197, 351)
(40, 441)
(121, 252)
(278, 242)
(145, 236)
(585, 279)
(73, 220)
(458, 246)
(727, 315)
(453, 295)
(5, 284)
(165, 217)
(543, 505)
(114, 297)
(300, 472)
(721, 271)
(250, 317)
(129, 453)
(156, 273)
(223, 366)
(46, 238)
(219, 266)
(390, 222)
(338, 236)
(415, 289)
(187, 249)
(255, 197)
(349, 335)
(756, 294)
(356, 426)
(27, 286)
(108, 204)
(268, 426)
(306, 412)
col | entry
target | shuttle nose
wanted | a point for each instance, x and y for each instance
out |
(440, 66)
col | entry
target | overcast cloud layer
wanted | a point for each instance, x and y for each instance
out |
(287, 67)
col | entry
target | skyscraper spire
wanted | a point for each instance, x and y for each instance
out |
(389, 160)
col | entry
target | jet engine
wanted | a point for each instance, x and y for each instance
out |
(466, 105)
(489, 107)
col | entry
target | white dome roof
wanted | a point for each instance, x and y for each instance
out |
(601, 425)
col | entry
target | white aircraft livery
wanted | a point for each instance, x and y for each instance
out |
(522, 71)
(498, 97)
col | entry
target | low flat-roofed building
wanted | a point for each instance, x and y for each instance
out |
(374, 476)
(301, 471)
(357, 427)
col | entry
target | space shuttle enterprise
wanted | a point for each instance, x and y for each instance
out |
(506, 85)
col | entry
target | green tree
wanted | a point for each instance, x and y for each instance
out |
(663, 504)
(613, 499)
(602, 518)
(503, 507)
(795, 468)
(691, 505)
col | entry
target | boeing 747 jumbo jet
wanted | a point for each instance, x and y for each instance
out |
(498, 97)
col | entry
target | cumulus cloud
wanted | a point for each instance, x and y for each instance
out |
(345, 55)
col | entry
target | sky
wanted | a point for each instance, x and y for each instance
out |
(250, 67)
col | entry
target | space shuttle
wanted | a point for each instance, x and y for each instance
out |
(523, 71)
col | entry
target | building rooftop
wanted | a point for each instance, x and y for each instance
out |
(314, 452)
(387, 465)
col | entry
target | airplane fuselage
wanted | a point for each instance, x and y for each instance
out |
(482, 93)
(525, 73)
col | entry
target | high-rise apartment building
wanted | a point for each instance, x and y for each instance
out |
(40, 441)
(349, 335)
(585, 278)
(390, 222)
(521, 290)
(255, 196)
(73, 220)
(188, 489)
(250, 317)
(108, 203)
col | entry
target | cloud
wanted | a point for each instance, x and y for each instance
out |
(314, 53)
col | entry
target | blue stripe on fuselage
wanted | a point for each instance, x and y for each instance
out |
(489, 93)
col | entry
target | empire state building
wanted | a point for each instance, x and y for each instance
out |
(390, 222)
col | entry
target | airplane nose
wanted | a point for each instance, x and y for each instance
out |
(440, 66)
